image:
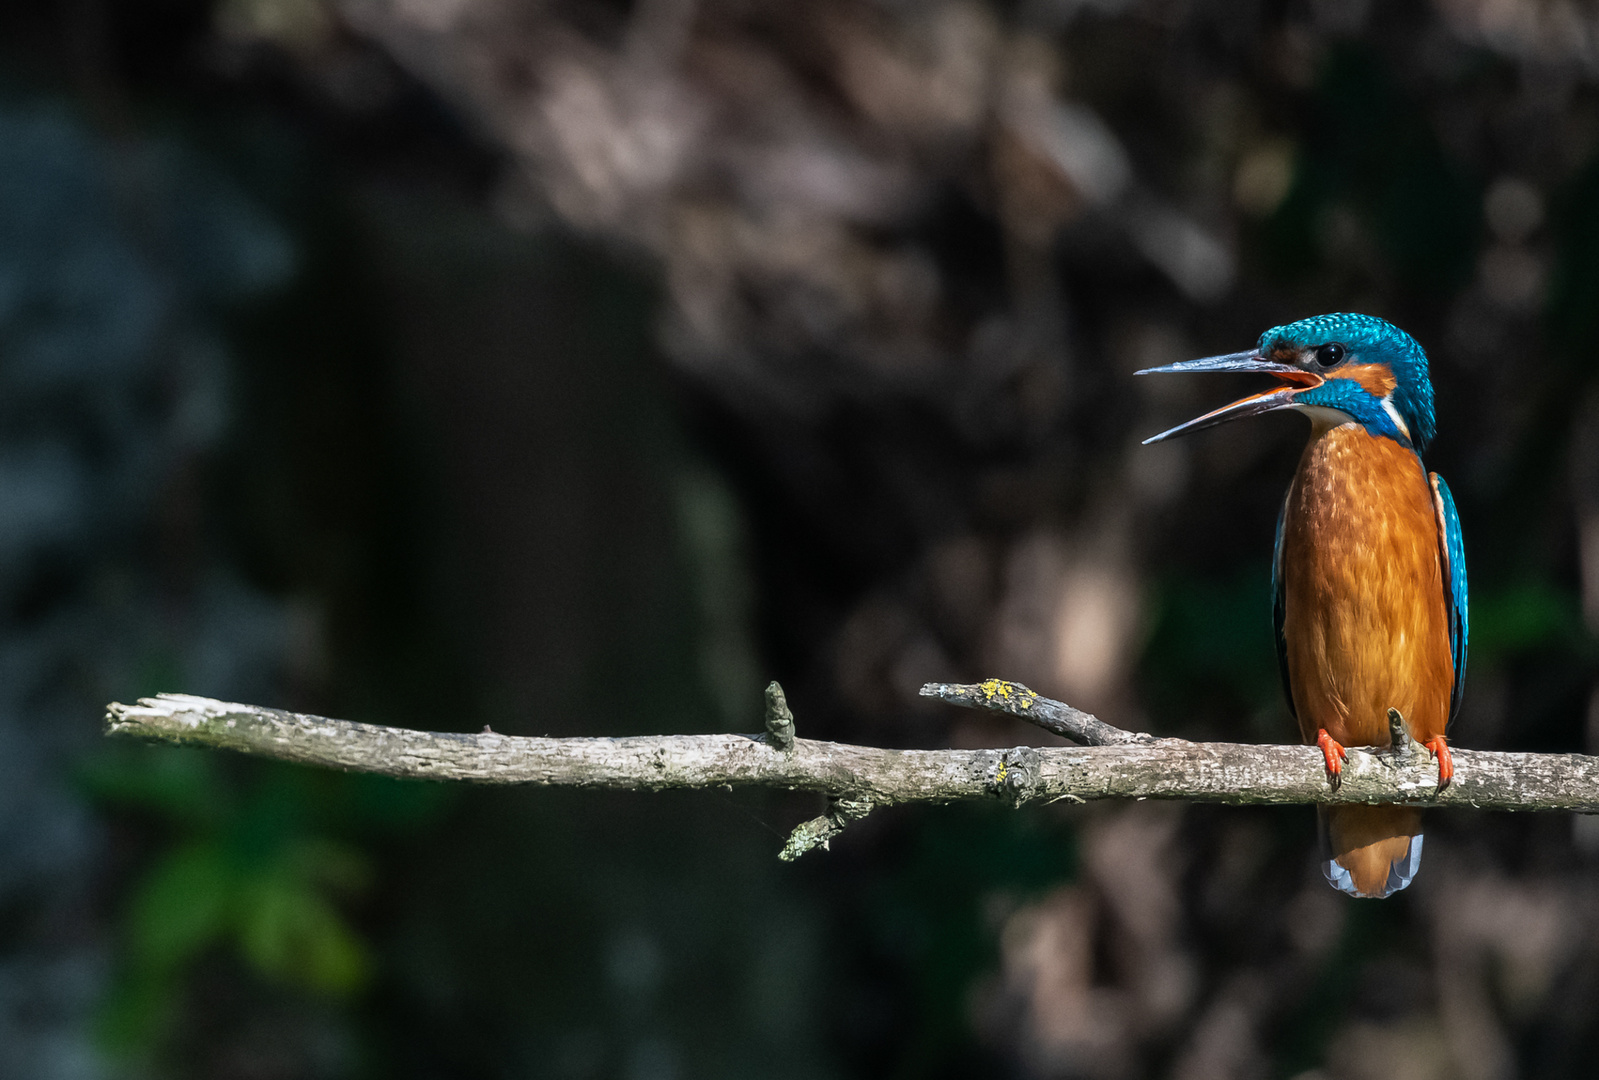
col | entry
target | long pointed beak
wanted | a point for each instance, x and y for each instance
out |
(1253, 405)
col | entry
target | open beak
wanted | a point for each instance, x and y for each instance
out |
(1281, 397)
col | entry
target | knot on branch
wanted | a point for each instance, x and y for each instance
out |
(1012, 774)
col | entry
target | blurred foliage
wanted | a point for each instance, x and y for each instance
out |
(1371, 175)
(1573, 316)
(251, 865)
(1212, 643)
(120, 264)
(1522, 618)
(1371, 933)
(938, 918)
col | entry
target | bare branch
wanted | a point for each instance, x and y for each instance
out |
(1122, 765)
(1049, 714)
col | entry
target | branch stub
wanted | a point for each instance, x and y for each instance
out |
(779, 718)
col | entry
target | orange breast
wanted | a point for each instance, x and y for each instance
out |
(1365, 619)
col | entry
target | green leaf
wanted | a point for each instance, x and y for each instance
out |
(288, 931)
(181, 906)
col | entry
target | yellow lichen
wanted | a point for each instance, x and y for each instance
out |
(1003, 690)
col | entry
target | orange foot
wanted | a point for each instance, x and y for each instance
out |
(1439, 749)
(1335, 755)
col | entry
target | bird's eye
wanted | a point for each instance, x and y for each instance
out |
(1329, 355)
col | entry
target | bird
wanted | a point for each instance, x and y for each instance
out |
(1369, 569)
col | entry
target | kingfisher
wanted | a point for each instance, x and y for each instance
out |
(1369, 572)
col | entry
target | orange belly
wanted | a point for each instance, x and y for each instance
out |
(1365, 620)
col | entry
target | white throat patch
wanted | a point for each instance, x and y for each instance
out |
(1323, 419)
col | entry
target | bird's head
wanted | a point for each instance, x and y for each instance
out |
(1337, 367)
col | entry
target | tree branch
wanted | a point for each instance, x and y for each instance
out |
(1119, 764)
(1049, 714)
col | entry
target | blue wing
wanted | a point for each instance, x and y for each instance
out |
(1453, 552)
(1278, 606)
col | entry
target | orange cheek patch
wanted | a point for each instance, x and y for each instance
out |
(1375, 379)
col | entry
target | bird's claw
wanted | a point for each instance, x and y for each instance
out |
(1438, 747)
(1335, 756)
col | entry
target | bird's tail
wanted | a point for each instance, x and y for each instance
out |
(1370, 851)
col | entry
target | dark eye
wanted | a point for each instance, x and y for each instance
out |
(1329, 355)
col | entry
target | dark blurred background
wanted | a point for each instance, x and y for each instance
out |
(575, 366)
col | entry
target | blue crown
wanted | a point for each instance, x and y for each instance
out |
(1370, 340)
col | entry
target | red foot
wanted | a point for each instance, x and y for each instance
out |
(1335, 755)
(1439, 749)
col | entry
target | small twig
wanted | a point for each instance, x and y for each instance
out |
(1049, 714)
(1398, 735)
(819, 831)
(779, 718)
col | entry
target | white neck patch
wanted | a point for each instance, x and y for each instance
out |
(1393, 414)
